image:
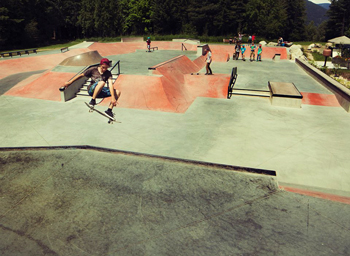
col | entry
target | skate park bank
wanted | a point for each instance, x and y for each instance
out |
(167, 179)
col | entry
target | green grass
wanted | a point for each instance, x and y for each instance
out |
(319, 57)
(308, 43)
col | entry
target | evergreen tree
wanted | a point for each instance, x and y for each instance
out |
(339, 19)
(295, 22)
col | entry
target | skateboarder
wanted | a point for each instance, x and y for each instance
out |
(208, 60)
(99, 77)
(149, 44)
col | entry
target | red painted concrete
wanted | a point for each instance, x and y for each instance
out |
(341, 199)
(174, 90)
(35, 62)
(328, 100)
(44, 87)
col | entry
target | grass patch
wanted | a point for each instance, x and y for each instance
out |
(308, 43)
(319, 57)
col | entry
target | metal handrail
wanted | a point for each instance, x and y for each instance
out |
(183, 46)
(118, 63)
(232, 82)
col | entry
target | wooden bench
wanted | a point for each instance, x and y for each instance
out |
(233, 79)
(64, 49)
(14, 53)
(10, 54)
(31, 50)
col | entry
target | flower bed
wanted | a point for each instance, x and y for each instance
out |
(343, 62)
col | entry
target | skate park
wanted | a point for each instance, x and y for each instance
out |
(187, 170)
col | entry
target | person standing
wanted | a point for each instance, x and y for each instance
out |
(148, 44)
(208, 60)
(237, 48)
(240, 36)
(242, 52)
(252, 52)
(253, 38)
(249, 39)
(258, 58)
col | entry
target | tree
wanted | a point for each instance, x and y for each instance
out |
(339, 19)
(295, 22)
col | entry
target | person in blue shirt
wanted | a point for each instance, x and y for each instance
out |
(258, 58)
(252, 52)
(243, 51)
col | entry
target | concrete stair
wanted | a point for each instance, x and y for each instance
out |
(83, 93)
(254, 93)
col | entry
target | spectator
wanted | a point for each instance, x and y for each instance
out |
(252, 52)
(258, 58)
(242, 52)
(237, 50)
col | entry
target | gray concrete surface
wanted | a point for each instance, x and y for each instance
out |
(77, 202)
(86, 202)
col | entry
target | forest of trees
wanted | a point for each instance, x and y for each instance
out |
(27, 23)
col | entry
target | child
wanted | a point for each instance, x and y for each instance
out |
(237, 48)
(258, 58)
(99, 77)
(208, 60)
(242, 51)
(252, 52)
(149, 44)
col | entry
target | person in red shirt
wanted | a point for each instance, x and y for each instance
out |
(149, 44)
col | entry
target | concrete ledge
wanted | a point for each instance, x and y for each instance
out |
(342, 93)
(285, 95)
(70, 92)
(188, 41)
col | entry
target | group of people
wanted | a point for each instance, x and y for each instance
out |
(250, 40)
(240, 49)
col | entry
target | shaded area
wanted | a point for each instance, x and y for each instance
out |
(45, 87)
(85, 202)
(10, 81)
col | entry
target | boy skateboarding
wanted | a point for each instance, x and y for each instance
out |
(99, 77)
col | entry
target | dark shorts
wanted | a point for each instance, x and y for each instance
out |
(104, 93)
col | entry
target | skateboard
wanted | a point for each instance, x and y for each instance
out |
(194, 74)
(111, 120)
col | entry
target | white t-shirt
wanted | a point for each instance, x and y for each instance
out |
(209, 57)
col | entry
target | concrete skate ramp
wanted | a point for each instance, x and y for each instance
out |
(84, 59)
(90, 201)
(8, 82)
(173, 89)
(42, 86)
(35, 62)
